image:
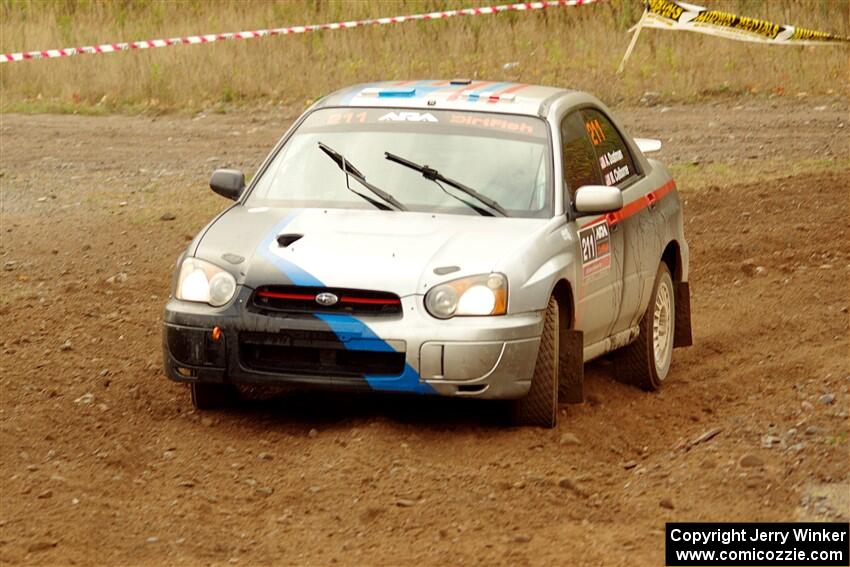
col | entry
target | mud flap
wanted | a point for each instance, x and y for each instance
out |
(682, 335)
(571, 367)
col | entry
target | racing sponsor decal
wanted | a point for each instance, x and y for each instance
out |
(671, 14)
(509, 125)
(595, 242)
(408, 117)
(484, 124)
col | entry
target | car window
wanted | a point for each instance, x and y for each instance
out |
(612, 154)
(504, 157)
(580, 163)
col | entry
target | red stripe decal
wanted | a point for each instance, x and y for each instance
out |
(494, 97)
(343, 299)
(369, 301)
(635, 206)
(275, 295)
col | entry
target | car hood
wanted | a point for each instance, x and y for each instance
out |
(376, 250)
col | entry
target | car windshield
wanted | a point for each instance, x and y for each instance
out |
(503, 157)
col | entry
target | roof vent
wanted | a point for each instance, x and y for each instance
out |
(285, 240)
(460, 82)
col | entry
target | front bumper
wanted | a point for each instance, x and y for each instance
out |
(483, 357)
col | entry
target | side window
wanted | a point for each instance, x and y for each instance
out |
(611, 151)
(580, 164)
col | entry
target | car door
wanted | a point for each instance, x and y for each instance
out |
(636, 222)
(599, 290)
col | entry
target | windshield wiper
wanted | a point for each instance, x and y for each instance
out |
(478, 209)
(352, 171)
(434, 175)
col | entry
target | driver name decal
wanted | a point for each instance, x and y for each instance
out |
(608, 159)
(408, 117)
(616, 175)
(595, 242)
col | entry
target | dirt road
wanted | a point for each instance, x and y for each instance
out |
(104, 462)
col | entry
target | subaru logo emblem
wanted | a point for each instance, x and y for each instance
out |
(326, 299)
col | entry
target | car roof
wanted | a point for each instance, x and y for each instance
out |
(458, 94)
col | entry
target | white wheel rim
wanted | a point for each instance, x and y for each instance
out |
(662, 328)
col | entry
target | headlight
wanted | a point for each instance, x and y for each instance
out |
(204, 282)
(486, 294)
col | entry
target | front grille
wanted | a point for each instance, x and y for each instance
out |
(316, 354)
(302, 299)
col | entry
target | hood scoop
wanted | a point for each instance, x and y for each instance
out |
(285, 240)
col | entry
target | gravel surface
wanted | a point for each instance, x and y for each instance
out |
(105, 462)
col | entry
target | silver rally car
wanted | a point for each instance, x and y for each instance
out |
(457, 238)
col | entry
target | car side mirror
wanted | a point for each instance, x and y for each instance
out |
(228, 183)
(598, 199)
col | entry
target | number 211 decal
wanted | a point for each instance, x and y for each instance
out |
(595, 241)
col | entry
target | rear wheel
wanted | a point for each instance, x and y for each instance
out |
(646, 362)
(540, 407)
(207, 396)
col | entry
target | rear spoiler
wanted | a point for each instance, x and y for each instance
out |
(648, 145)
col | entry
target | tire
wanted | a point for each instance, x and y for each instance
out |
(206, 396)
(646, 362)
(540, 407)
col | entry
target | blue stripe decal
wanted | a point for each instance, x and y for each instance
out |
(425, 88)
(366, 339)
(422, 92)
(397, 93)
(420, 89)
(353, 333)
(407, 382)
(295, 274)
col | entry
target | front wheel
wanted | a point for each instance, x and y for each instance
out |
(646, 362)
(540, 407)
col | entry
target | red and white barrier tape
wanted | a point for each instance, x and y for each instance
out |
(197, 39)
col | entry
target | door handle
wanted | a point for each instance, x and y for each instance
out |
(652, 200)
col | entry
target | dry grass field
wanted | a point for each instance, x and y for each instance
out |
(579, 47)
